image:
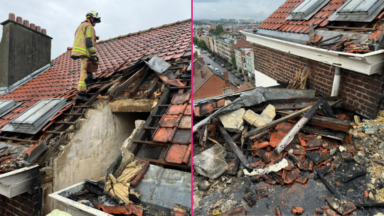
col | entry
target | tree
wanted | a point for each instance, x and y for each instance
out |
(212, 31)
(234, 61)
(227, 29)
(195, 40)
(219, 29)
(202, 44)
(236, 83)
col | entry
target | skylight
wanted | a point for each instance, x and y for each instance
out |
(358, 10)
(34, 118)
(306, 9)
(7, 106)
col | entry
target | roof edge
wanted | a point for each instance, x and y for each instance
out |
(143, 31)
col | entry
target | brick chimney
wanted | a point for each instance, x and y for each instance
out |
(24, 48)
(226, 78)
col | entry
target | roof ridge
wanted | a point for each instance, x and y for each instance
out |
(143, 31)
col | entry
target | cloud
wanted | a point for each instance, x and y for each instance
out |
(245, 9)
(119, 17)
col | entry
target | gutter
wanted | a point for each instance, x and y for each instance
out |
(368, 64)
(19, 181)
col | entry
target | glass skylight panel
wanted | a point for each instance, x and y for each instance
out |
(358, 6)
(7, 106)
(306, 9)
(358, 11)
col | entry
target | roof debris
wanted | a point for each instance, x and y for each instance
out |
(303, 170)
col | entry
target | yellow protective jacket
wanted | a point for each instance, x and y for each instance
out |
(85, 41)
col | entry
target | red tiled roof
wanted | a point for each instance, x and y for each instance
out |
(168, 41)
(246, 86)
(277, 20)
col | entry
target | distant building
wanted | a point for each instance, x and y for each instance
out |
(223, 20)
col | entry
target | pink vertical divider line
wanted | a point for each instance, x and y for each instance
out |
(192, 107)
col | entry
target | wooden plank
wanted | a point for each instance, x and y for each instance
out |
(235, 149)
(135, 89)
(324, 121)
(115, 93)
(152, 88)
(18, 140)
(281, 120)
(325, 133)
(291, 104)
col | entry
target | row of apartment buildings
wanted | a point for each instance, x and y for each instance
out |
(227, 46)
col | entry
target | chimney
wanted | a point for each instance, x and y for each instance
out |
(202, 74)
(226, 78)
(24, 48)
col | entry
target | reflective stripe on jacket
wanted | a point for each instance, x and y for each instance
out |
(85, 42)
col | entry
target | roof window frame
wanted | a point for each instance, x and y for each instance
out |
(310, 12)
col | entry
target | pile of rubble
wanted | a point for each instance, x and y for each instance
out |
(288, 159)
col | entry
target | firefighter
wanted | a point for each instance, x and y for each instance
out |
(84, 48)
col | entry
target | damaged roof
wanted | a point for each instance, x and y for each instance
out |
(332, 27)
(118, 55)
(170, 41)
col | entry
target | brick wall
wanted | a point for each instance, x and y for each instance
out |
(22, 205)
(358, 90)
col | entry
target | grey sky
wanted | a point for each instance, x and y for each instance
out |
(119, 17)
(244, 9)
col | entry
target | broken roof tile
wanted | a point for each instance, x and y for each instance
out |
(176, 153)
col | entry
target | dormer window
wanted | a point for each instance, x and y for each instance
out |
(306, 9)
(358, 11)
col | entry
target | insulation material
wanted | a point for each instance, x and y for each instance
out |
(130, 171)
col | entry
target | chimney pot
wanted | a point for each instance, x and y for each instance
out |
(38, 28)
(26, 23)
(19, 20)
(69, 48)
(44, 31)
(11, 16)
(201, 74)
(226, 78)
(32, 26)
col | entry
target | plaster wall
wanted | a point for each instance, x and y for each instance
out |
(93, 148)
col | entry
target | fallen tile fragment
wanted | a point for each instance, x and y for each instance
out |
(211, 162)
(276, 138)
(262, 191)
(290, 176)
(277, 210)
(180, 210)
(273, 168)
(343, 207)
(251, 198)
(297, 210)
(236, 211)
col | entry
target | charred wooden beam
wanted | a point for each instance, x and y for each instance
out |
(163, 163)
(152, 88)
(283, 119)
(323, 121)
(72, 114)
(235, 149)
(68, 123)
(150, 143)
(182, 87)
(300, 124)
(150, 128)
(18, 140)
(325, 133)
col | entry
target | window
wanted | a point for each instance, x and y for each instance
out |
(7, 106)
(34, 118)
(306, 9)
(357, 6)
(358, 10)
